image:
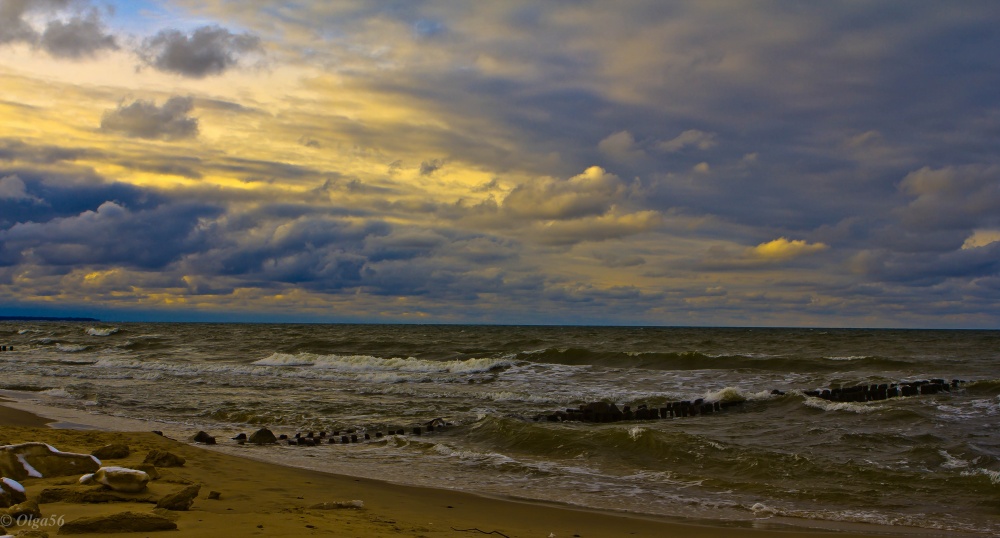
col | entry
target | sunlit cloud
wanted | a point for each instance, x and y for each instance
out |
(783, 249)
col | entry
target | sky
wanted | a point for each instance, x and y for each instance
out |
(650, 162)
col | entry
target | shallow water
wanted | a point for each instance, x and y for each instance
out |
(930, 461)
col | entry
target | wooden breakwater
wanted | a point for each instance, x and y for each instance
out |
(885, 391)
(610, 412)
(600, 412)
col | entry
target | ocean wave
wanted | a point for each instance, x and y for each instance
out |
(765, 511)
(363, 368)
(852, 407)
(368, 363)
(696, 360)
(102, 331)
(71, 348)
(57, 393)
(994, 476)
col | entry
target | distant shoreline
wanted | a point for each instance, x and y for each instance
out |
(44, 318)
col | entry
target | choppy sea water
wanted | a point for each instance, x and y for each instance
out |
(929, 462)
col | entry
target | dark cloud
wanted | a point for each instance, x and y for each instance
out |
(14, 28)
(429, 167)
(309, 142)
(928, 269)
(16, 150)
(143, 119)
(80, 37)
(209, 50)
(149, 236)
(61, 195)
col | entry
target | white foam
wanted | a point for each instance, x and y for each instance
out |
(951, 462)
(994, 476)
(70, 348)
(58, 393)
(853, 407)
(102, 331)
(368, 363)
(733, 394)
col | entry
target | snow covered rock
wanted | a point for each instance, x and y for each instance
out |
(37, 460)
(11, 493)
(118, 479)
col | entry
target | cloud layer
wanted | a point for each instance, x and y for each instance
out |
(642, 162)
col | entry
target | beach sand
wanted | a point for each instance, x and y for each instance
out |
(263, 499)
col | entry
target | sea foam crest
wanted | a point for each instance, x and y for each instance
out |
(733, 394)
(860, 408)
(102, 331)
(70, 348)
(368, 363)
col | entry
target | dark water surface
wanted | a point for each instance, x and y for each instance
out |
(930, 461)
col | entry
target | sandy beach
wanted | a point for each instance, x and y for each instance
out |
(260, 499)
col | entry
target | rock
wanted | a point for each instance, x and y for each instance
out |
(36, 460)
(120, 522)
(149, 469)
(27, 510)
(262, 436)
(90, 496)
(181, 500)
(113, 451)
(11, 493)
(240, 437)
(204, 438)
(214, 495)
(118, 479)
(162, 458)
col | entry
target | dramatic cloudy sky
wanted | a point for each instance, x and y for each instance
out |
(627, 162)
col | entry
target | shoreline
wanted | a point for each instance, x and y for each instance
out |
(412, 510)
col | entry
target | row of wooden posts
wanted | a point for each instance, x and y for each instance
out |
(609, 412)
(884, 391)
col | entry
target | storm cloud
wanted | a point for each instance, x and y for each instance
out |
(637, 162)
(77, 38)
(80, 36)
(143, 119)
(208, 50)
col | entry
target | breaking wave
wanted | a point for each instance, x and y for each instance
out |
(102, 331)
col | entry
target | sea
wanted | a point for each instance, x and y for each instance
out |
(774, 456)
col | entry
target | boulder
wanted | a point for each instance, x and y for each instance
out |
(162, 458)
(36, 460)
(262, 436)
(204, 438)
(181, 500)
(27, 510)
(118, 479)
(120, 522)
(11, 493)
(149, 469)
(113, 451)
